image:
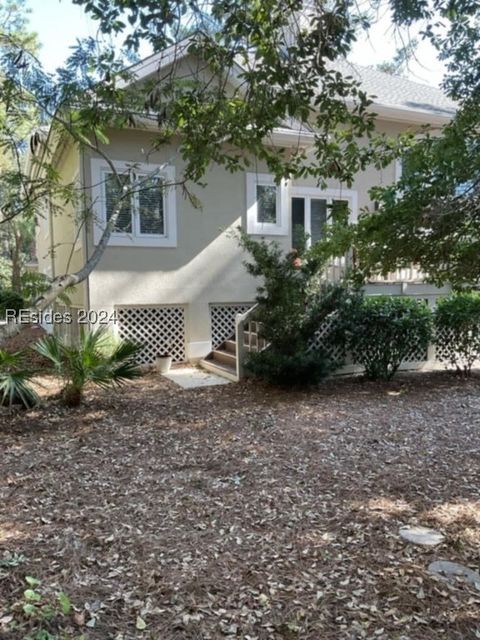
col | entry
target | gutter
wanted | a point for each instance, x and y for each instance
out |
(81, 164)
(410, 116)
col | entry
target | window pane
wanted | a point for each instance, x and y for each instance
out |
(318, 212)
(267, 204)
(298, 222)
(151, 206)
(113, 195)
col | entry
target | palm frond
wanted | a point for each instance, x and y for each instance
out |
(15, 389)
(52, 348)
(94, 359)
(11, 360)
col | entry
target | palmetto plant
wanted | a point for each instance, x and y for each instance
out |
(15, 381)
(93, 360)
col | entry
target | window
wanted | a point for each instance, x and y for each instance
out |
(267, 205)
(312, 210)
(145, 204)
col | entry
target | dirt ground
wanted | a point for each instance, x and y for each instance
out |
(241, 511)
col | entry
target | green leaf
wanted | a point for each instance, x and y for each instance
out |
(140, 624)
(29, 609)
(65, 603)
(33, 582)
(30, 594)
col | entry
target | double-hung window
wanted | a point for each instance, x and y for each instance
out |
(143, 199)
(267, 205)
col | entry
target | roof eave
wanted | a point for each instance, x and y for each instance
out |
(410, 116)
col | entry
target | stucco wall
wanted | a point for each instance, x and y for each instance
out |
(60, 247)
(206, 266)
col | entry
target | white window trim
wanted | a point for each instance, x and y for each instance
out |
(329, 195)
(278, 228)
(398, 169)
(120, 239)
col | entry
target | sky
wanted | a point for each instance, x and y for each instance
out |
(59, 23)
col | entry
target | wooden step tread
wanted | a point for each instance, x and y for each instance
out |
(230, 346)
(224, 370)
(224, 357)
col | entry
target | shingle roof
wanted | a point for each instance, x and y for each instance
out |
(399, 92)
(394, 93)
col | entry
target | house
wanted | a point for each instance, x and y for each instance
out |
(172, 277)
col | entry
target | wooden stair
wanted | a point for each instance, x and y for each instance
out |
(223, 360)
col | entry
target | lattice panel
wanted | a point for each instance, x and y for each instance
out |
(222, 319)
(158, 329)
(416, 353)
(322, 340)
(444, 345)
(446, 351)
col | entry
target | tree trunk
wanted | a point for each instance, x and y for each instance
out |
(15, 256)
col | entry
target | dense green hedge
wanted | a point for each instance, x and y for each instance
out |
(290, 370)
(457, 330)
(383, 331)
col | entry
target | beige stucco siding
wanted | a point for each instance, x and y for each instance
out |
(206, 266)
(60, 246)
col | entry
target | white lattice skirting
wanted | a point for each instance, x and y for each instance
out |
(222, 319)
(159, 329)
(416, 355)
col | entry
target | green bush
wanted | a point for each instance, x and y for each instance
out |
(383, 331)
(457, 330)
(294, 301)
(10, 300)
(290, 370)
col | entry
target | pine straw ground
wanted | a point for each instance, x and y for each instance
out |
(244, 512)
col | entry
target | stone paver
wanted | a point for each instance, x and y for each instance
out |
(192, 378)
(452, 571)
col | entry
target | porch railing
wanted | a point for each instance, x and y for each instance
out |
(247, 338)
(338, 267)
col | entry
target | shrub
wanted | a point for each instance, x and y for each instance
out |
(457, 330)
(293, 303)
(94, 360)
(15, 380)
(10, 300)
(290, 370)
(383, 331)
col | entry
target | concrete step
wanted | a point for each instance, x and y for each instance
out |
(223, 370)
(224, 357)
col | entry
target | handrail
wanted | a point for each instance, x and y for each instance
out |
(241, 321)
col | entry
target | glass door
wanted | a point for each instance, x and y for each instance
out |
(309, 216)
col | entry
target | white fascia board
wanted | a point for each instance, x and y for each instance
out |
(409, 116)
(291, 138)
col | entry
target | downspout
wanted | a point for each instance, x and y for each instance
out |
(52, 239)
(85, 230)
